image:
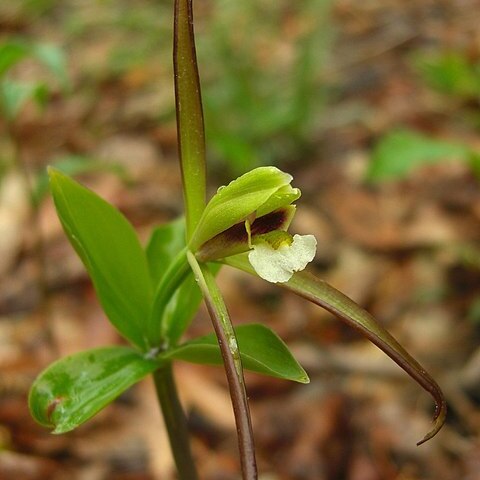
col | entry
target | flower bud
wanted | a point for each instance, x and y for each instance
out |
(252, 195)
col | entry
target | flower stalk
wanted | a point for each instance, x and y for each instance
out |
(191, 144)
(233, 365)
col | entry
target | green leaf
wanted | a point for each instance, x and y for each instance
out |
(166, 241)
(53, 57)
(14, 95)
(450, 73)
(111, 252)
(40, 95)
(181, 309)
(474, 161)
(11, 53)
(324, 295)
(261, 350)
(241, 198)
(400, 152)
(73, 389)
(50, 55)
(164, 245)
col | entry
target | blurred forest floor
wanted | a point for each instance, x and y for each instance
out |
(406, 248)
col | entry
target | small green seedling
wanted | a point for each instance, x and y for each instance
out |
(452, 73)
(151, 295)
(13, 93)
(401, 152)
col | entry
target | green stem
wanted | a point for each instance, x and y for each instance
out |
(233, 365)
(191, 134)
(175, 422)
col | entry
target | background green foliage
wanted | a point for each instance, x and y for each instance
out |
(399, 152)
(263, 97)
(15, 93)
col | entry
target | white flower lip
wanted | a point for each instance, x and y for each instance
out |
(278, 265)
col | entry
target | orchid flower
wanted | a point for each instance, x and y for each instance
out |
(254, 212)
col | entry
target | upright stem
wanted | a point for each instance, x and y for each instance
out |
(191, 143)
(191, 135)
(233, 366)
(176, 422)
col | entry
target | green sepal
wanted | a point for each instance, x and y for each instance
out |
(261, 351)
(263, 189)
(110, 251)
(283, 196)
(75, 388)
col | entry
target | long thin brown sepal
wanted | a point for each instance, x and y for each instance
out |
(324, 295)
